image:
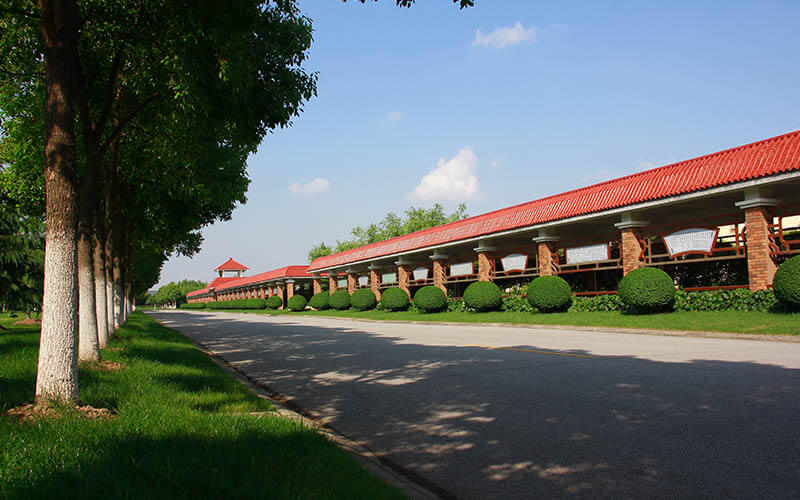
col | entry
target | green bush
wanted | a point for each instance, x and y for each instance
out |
(599, 303)
(363, 299)
(394, 299)
(740, 299)
(274, 302)
(516, 303)
(296, 303)
(320, 301)
(457, 305)
(430, 299)
(647, 289)
(192, 305)
(483, 296)
(238, 304)
(549, 294)
(340, 300)
(786, 284)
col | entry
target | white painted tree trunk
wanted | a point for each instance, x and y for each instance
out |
(118, 296)
(88, 344)
(110, 288)
(100, 293)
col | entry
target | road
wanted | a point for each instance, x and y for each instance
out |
(493, 412)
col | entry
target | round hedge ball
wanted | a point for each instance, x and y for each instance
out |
(296, 303)
(483, 296)
(786, 283)
(274, 302)
(430, 299)
(647, 289)
(320, 301)
(550, 294)
(394, 299)
(363, 299)
(340, 300)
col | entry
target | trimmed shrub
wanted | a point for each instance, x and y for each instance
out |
(296, 303)
(320, 301)
(430, 299)
(274, 302)
(786, 283)
(238, 304)
(647, 289)
(394, 299)
(340, 300)
(192, 305)
(549, 294)
(483, 296)
(739, 299)
(363, 299)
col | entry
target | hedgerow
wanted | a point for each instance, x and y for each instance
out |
(740, 299)
(274, 302)
(394, 299)
(238, 304)
(483, 296)
(599, 303)
(647, 289)
(340, 300)
(320, 301)
(296, 303)
(430, 299)
(192, 305)
(363, 299)
(549, 294)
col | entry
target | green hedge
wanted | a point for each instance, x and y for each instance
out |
(340, 300)
(274, 302)
(192, 305)
(787, 282)
(394, 299)
(740, 299)
(320, 301)
(238, 304)
(647, 289)
(363, 299)
(296, 303)
(483, 296)
(549, 294)
(430, 299)
(599, 303)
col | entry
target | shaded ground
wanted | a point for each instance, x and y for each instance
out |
(545, 414)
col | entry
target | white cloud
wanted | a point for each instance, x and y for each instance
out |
(451, 180)
(314, 186)
(494, 165)
(504, 37)
(395, 116)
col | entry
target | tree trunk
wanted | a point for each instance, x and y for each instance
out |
(57, 375)
(100, 288)
(109, 254)
(88, 344)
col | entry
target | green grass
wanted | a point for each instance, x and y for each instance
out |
(183, 430)
(762, 323)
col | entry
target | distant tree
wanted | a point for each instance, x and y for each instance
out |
(21, 258)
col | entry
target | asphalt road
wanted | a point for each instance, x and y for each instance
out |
(491, 412)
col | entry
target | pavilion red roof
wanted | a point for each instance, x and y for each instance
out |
(232, 265)
(287, 272)
(760, 159)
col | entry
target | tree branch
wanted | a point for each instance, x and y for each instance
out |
(130, 116)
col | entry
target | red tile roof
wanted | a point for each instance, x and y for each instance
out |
(232, 265)
(287, 272)
(760, 159)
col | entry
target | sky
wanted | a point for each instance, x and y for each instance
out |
(500, 104)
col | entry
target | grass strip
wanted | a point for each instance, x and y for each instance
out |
(749, 322)
(183, 429)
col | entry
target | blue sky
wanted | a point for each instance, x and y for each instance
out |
(500, 104)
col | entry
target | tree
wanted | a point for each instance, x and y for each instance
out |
(391, 226)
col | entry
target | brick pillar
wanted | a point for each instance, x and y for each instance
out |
(485, 261)
(317, 285)
(332, 285)
(280, 294)
(760, 266)
(403, 272)
(375, 281)
(351, 283)
(545, 251)
(289, 290)
(631, 250)
(439, 275)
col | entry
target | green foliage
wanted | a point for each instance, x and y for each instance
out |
(392, 225)
(430, 299)
(647, 289)
(253, 304)
(296, 303)
(483, 296)
(549, 294)
(340, 300)
(740, 299)
(193, 305)
(363, 300)
(273, 302)
(457, 305)
(21, 255)
(599, 303)
(320, 301)
(174, 293)
(786, 283)
(394, 299)
(516, 303)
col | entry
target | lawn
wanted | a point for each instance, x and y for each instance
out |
(183, 428)
(765, 323)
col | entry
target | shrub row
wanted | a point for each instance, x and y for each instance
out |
(192, 305)
(238, 304)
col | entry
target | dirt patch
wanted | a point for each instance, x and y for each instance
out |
(29, 412)
(29, 321)
(106, 366)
